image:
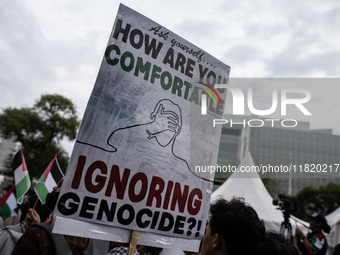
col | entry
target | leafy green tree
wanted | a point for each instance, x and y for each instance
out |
(273, 186)
(40, 130)
(323, 200)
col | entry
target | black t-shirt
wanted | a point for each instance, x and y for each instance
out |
(318, 240)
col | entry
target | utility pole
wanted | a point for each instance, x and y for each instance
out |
(289, 175)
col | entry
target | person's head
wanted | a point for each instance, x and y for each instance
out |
(6, 189)
(167, 122)
(318, 222)
(150, 250)
(275, 244)
(233, 228)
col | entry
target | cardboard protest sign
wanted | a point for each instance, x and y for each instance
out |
(133, 163)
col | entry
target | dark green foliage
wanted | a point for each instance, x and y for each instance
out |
(40, 130)
(323, 200)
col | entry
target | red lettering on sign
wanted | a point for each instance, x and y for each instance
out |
(99, 179)
(144, 180)
(194, 206)
(179, 197)
(156, 189)
(78, 173)
(115, 180)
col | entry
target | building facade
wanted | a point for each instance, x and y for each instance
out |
(293, 157)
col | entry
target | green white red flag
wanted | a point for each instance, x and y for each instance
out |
(21, 177)
(49, 179)
(8, 204)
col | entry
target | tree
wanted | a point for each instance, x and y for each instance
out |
(273, 186)
(323, 200)
(40, 130)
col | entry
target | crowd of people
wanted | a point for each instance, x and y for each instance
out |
(233, 228)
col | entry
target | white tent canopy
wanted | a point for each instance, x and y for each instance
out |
(250, 186)
(333, 220)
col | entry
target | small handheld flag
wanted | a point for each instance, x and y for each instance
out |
(21, 177)
(49, 179)
(8, 204)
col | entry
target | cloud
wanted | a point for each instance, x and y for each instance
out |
(289, 64)
(58, 46)
(21, 39)
(33, 64)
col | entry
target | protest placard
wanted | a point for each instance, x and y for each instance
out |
(142, 134)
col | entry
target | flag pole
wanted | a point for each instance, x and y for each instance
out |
(133, 242)
(36, 201)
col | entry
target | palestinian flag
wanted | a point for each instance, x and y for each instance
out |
(21, 177)
(8, 204)
(48, 180)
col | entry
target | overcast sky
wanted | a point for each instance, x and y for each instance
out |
(57, 46)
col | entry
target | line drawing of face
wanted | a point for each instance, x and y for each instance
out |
(166, 124)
